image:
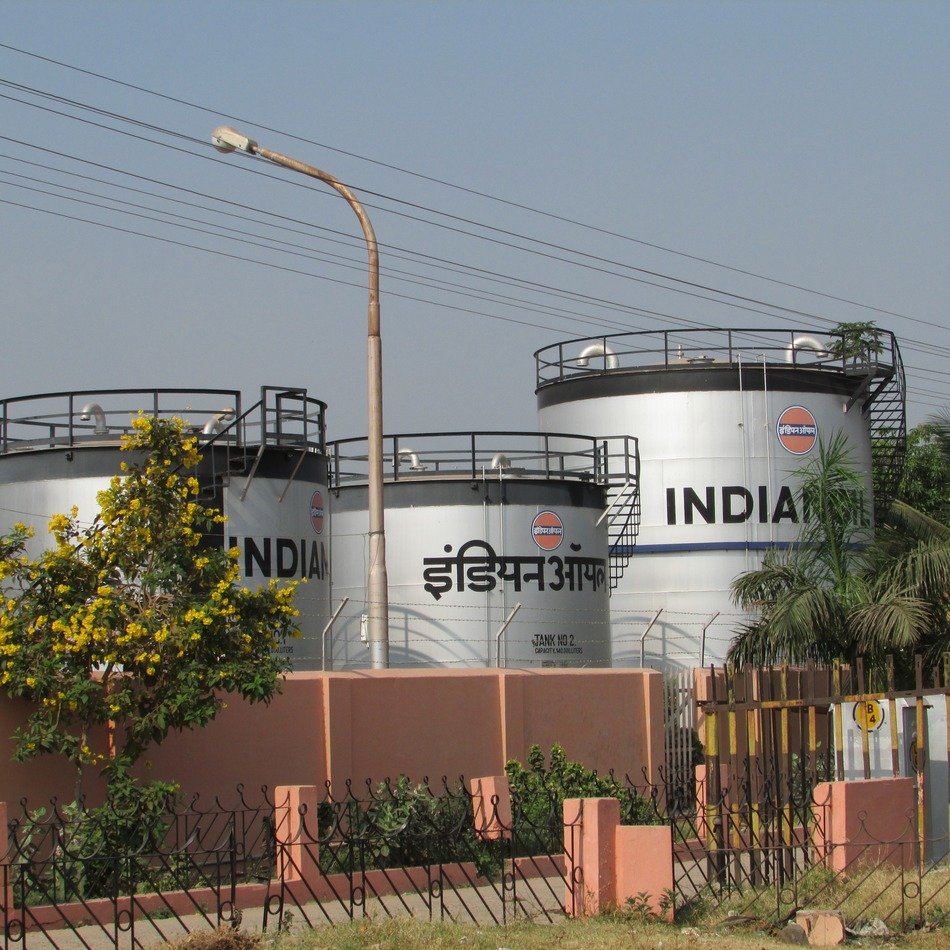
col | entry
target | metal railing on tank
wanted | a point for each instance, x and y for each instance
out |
(543, 455)
(64, 420)
(671, 349)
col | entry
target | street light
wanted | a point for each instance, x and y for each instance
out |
(226, 139)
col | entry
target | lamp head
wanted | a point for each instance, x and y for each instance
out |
(226, 139)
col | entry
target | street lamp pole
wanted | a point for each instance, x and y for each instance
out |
(226, 139)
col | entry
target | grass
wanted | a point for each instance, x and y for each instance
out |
(865, 894)
(601, 933)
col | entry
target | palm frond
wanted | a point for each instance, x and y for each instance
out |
(895, 623)
(777, 575)
(905, 520)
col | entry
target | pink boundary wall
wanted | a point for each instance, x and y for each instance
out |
(379, 723)
(607, 863)
(869, 821)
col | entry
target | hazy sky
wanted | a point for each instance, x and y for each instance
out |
(805, 142)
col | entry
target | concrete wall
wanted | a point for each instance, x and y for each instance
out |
(378, 724)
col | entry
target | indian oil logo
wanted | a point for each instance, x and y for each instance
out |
(797, 430)
(547, 530)
(316, 512)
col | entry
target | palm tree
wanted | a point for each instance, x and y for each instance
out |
(836, 593)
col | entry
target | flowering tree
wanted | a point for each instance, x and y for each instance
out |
(135, 624)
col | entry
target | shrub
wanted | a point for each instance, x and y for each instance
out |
(538, 793)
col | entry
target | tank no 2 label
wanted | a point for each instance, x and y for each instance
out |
(559, 643)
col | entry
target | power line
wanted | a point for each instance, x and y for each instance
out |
(295, 250)
(922, 347)
(463, 189)
(287, 269)
(551, 246)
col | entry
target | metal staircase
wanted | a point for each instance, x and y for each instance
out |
(881, 397)
(619, 469)
(288, 418)
(623, 525)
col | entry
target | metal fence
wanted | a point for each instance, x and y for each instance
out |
(95, 878)
(754, 839)
(750, 835)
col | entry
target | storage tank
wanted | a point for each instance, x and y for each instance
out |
(496, 548)
(724, 419)
(264, 466)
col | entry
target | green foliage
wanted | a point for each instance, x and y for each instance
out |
(538, 792)
(80, 853)
(926, 481)
(857, 341)
(837, 594)
(640, 907)
(134, 625)
(404, 825)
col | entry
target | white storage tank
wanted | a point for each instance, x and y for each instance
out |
(482, 528)
(724, 418)
(265, 466)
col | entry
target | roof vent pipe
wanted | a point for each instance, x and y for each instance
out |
(499, 461)
(805, 343)
(598, 349)
(414, 464)
(92, 410)
(216, 423)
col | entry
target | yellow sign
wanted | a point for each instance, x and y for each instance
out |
(869, 715)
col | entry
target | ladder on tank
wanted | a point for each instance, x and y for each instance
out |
(882, 400)
(242, 461)
(623, 524)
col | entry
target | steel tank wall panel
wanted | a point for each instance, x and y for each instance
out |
(718, 488)
(36, 485)
(287, 538)
(461, 555)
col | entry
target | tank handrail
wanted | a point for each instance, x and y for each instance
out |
(287, 415)
(473, 454)
(681, 348)
(66, 393)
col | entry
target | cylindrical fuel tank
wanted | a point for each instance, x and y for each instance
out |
(265, 467)
(496, 551)
(725, 419)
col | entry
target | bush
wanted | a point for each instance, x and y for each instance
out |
(77, 853)
(538, 793)
(403, 825)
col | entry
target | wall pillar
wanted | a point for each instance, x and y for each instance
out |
(295, 820)
(606, 864)
(864, 823)
(6, 875)
(491, 805)
(645, 867)
(590, 827)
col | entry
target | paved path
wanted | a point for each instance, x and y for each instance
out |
(538, 899)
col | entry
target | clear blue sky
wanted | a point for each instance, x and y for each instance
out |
(807, 142)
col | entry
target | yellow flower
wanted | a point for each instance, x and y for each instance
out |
(58, 524)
